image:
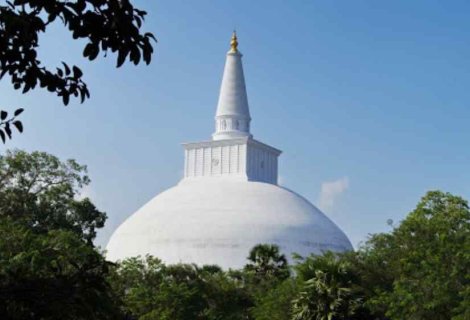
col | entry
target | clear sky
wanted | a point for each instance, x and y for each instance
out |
(369, 101)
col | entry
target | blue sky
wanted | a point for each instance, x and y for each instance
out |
(368, 100)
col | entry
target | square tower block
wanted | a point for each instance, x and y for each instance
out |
(241, 158)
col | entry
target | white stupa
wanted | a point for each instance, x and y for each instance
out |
(228, 200)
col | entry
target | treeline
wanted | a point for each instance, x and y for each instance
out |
(50, 268)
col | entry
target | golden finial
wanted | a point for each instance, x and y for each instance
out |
(234, 42)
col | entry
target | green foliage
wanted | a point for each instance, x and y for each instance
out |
(462, 312)
(49, 268)
(276, 302)
(424, 262)
(152, 290)
(329, 290)
(418, 271)
(41, 191)
(266, 263)
(104, 25)
(53, 275)
(226, 297)
(266, 280)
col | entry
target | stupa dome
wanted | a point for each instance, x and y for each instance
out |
(228, 200)
(218, 221)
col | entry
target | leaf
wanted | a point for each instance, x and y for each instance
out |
(2, 135)
(91, 50)
(8, 130)
(3, 115)
(135, 55)
(94, 53)
(18, 125)
(26, 88)
(150, 35)
(66, 68)
(88, 50)
(18, 111)
(121, 57)
(138, 20)
(66, 98)
(140, 13)
(3, 72)
(82, 95)
(77, 73)
(147, 55)
(81, 5)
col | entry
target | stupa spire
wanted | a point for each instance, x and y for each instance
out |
(232, 119)
(234, 42)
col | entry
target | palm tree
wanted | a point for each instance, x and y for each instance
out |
(328, 290)
(267, 262)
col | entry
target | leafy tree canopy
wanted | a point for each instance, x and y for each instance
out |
(49, 268)
(329, 290)
(276, 302)
(267, 262)
(52, 275)
(421, 269)
(152, 290)
(41, 191)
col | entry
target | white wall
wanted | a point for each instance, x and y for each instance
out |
(216, 160)
(243, 158)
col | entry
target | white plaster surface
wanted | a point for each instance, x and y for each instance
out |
(228, 201)
(233, 99)
(241, 158)
(217, 221)
(232, 119)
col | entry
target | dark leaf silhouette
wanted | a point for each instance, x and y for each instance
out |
(18, 112)
(77, 73)
(112, 25)
(65, 99)
(8, 130)
(18, 125)
(66, 68)
(121, 58)
(5, 129)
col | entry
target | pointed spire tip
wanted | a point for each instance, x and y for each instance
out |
(234, 42)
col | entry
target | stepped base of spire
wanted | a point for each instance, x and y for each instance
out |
(230, 127)
(230, 135)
